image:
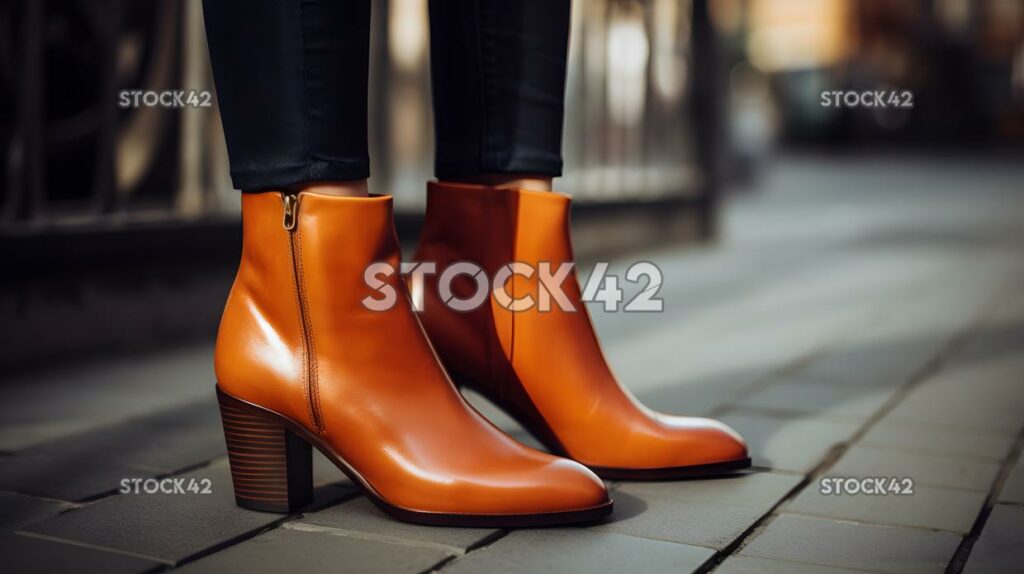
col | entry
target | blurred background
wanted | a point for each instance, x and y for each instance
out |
(119, 230)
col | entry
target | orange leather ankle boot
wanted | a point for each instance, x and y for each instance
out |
(546, 368)
(302, 362)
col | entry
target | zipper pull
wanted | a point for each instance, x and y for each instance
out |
(291, 210)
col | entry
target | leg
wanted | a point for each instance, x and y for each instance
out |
(499, 85)
(291, 81)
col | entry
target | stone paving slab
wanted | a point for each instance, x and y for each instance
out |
(50, 477)
(815, 397)
(164, 442)
(873, 363)
(893, 435)
(1001, 335)
(710, 513)
(67, 400)
(855, 546)
(710, 364)
(753, 489)
(1013, 488)
(18, 510)
(696, 523)
(966, 418)
(169, 527)
(703, 397)
(359, 517)
(315, 552)
(1000, 548)
(750, 565)
(924, 469)
(93, 463)
(911, 334)
(788, 443)
(928, 507)
(983, 397)
(30, 555)
(960, 413)
(579, 550)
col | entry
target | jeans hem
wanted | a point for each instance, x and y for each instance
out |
(535, 166)
(263, 179)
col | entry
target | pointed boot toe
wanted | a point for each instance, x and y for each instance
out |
(569, 482)
(679, 447)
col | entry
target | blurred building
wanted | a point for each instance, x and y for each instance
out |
(960, 63)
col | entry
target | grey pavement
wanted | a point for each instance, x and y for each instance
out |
(858, 319)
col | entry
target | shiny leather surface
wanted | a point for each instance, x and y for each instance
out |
(385, 403)
(546, 365)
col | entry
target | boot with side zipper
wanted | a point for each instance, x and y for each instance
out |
(301, 362)
(546, 368)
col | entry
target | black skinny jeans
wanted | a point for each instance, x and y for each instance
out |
(291, 81)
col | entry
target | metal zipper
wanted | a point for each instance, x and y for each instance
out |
(290, 220)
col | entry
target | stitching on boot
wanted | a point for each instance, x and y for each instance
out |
(313, 391)
(299, 318)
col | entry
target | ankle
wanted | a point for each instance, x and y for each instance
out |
(508, 181)
(356, 188)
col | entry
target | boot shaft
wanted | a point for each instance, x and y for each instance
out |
(303, 261)
(492, 228)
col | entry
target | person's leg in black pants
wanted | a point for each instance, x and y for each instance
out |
(292, 80)
(498, 71)
(292, 85)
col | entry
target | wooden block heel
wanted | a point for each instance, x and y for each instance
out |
(271, 467)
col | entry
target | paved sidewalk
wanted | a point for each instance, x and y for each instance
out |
(859, 318)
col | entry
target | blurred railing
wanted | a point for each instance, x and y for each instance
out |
(74, 159)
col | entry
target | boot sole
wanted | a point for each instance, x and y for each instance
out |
(712, 470)
(271, 462)
(547, 437)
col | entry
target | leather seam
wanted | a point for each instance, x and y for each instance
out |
(312, 371)
(512, 257)
(298, 316)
